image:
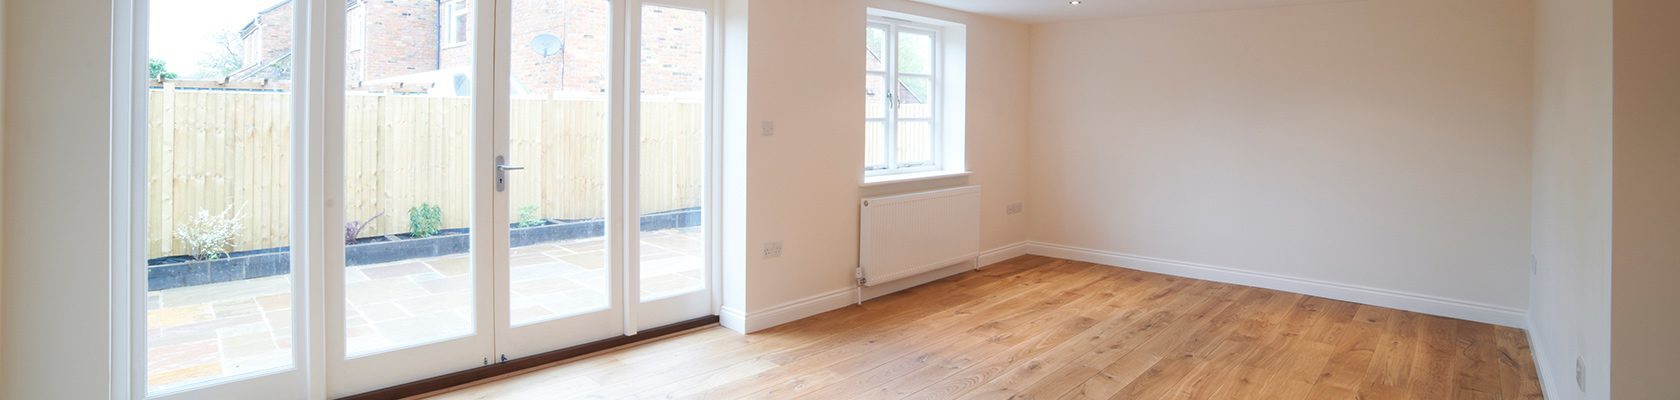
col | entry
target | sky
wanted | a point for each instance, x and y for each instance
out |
(182, 31)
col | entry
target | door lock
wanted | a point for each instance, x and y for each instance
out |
(502, 169)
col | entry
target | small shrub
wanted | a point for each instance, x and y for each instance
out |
(425, 220)
(353, 229)
(528, 217)
(208, 236)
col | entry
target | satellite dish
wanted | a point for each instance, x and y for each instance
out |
(547, 45)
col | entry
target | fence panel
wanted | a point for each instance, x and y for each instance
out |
(211, 150)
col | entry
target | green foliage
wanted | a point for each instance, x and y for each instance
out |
(425, 220)
(158, 70)
(227, 56)
(528, 217)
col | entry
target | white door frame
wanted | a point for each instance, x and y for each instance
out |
(319, 369)
(348, 376)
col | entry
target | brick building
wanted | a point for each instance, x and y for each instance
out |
(560, 47)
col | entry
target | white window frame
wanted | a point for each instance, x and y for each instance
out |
(450, 15)
(890, 119)
(949, 91)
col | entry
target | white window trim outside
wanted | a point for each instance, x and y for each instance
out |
(449, 16)
(948, 96)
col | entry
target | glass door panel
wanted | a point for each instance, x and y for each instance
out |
(558, 131)
(408, 116)
(412, 293)
(560, 283)
(670, 189)
(218, 166)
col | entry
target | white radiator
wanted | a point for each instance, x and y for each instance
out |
(905, 235)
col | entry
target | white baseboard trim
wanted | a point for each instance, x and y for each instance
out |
(1467, 310)
(1548, 379)
(1004, 253)
(733, 319)
(786, 312)
(825, 302)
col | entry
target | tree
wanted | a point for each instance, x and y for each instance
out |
(157, 70)
(228, 55)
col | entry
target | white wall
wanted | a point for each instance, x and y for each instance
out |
(1645, 255)
(1570, 309)
(1381, 143)
(802, 184)
(56, 200)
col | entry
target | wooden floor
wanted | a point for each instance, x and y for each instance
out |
(1037, 327)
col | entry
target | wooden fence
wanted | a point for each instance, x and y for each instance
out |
(211, 149)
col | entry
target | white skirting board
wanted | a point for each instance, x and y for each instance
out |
(1539, 347)
(1432, 305)
(799, 309)
(1420, 303)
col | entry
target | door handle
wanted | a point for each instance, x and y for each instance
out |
(502, 169)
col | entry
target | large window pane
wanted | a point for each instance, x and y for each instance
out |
(876, 56)
(915, 53)
(218, 136)
(914, 97)
(915, 143)
(407, 179)
(558, 132)
(673, 130)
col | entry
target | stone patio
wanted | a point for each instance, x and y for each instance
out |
(201, 333)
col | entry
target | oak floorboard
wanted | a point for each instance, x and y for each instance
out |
(1044, 328)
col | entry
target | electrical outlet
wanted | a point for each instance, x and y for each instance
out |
(1581, 373)
(767, 128)
(1012, 209)
(772, 249)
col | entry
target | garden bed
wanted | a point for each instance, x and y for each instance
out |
(180, 271)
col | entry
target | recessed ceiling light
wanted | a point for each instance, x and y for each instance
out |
(1075, 2)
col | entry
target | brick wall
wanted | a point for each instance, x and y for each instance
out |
(402, 38)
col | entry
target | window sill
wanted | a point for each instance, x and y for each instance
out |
(880, 180)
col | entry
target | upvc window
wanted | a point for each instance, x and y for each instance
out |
(454, 14)
(904, 125)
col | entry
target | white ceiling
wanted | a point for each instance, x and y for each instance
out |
(1036, 11)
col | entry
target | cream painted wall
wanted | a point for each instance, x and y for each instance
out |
(56, 287)
(1569, 314)
(802, 184)
(1645, 255)
(1380, 143)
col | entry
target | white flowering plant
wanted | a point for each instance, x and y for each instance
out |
(210, 236)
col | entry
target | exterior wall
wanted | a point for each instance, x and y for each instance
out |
(402, 37)
(276, 32)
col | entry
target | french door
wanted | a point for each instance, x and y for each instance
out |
(495, 179)
(568, 137)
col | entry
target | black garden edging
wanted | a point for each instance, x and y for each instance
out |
(173, 272)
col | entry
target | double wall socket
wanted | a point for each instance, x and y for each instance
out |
(772, 249)
(1013, 208)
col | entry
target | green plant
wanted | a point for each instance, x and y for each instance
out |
(209, 236)
(528, 217)
(425, 220)
(157, 69)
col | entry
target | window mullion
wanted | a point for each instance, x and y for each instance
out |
(890, 148)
